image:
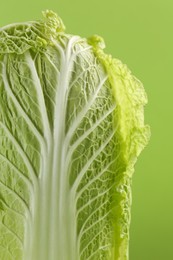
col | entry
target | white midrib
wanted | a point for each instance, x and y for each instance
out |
(61, 245)
(53, 227)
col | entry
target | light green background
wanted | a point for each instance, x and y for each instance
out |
(140, 33)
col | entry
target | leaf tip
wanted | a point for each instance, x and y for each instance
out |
(53, 23)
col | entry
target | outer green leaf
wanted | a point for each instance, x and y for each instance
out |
(71, 128)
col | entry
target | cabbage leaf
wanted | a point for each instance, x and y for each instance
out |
(71, 129)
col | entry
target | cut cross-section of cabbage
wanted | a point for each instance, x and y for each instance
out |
(71, 129)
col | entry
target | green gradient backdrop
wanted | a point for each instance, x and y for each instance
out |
(140, 33)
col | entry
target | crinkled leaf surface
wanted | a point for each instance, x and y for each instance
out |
(71, 128)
